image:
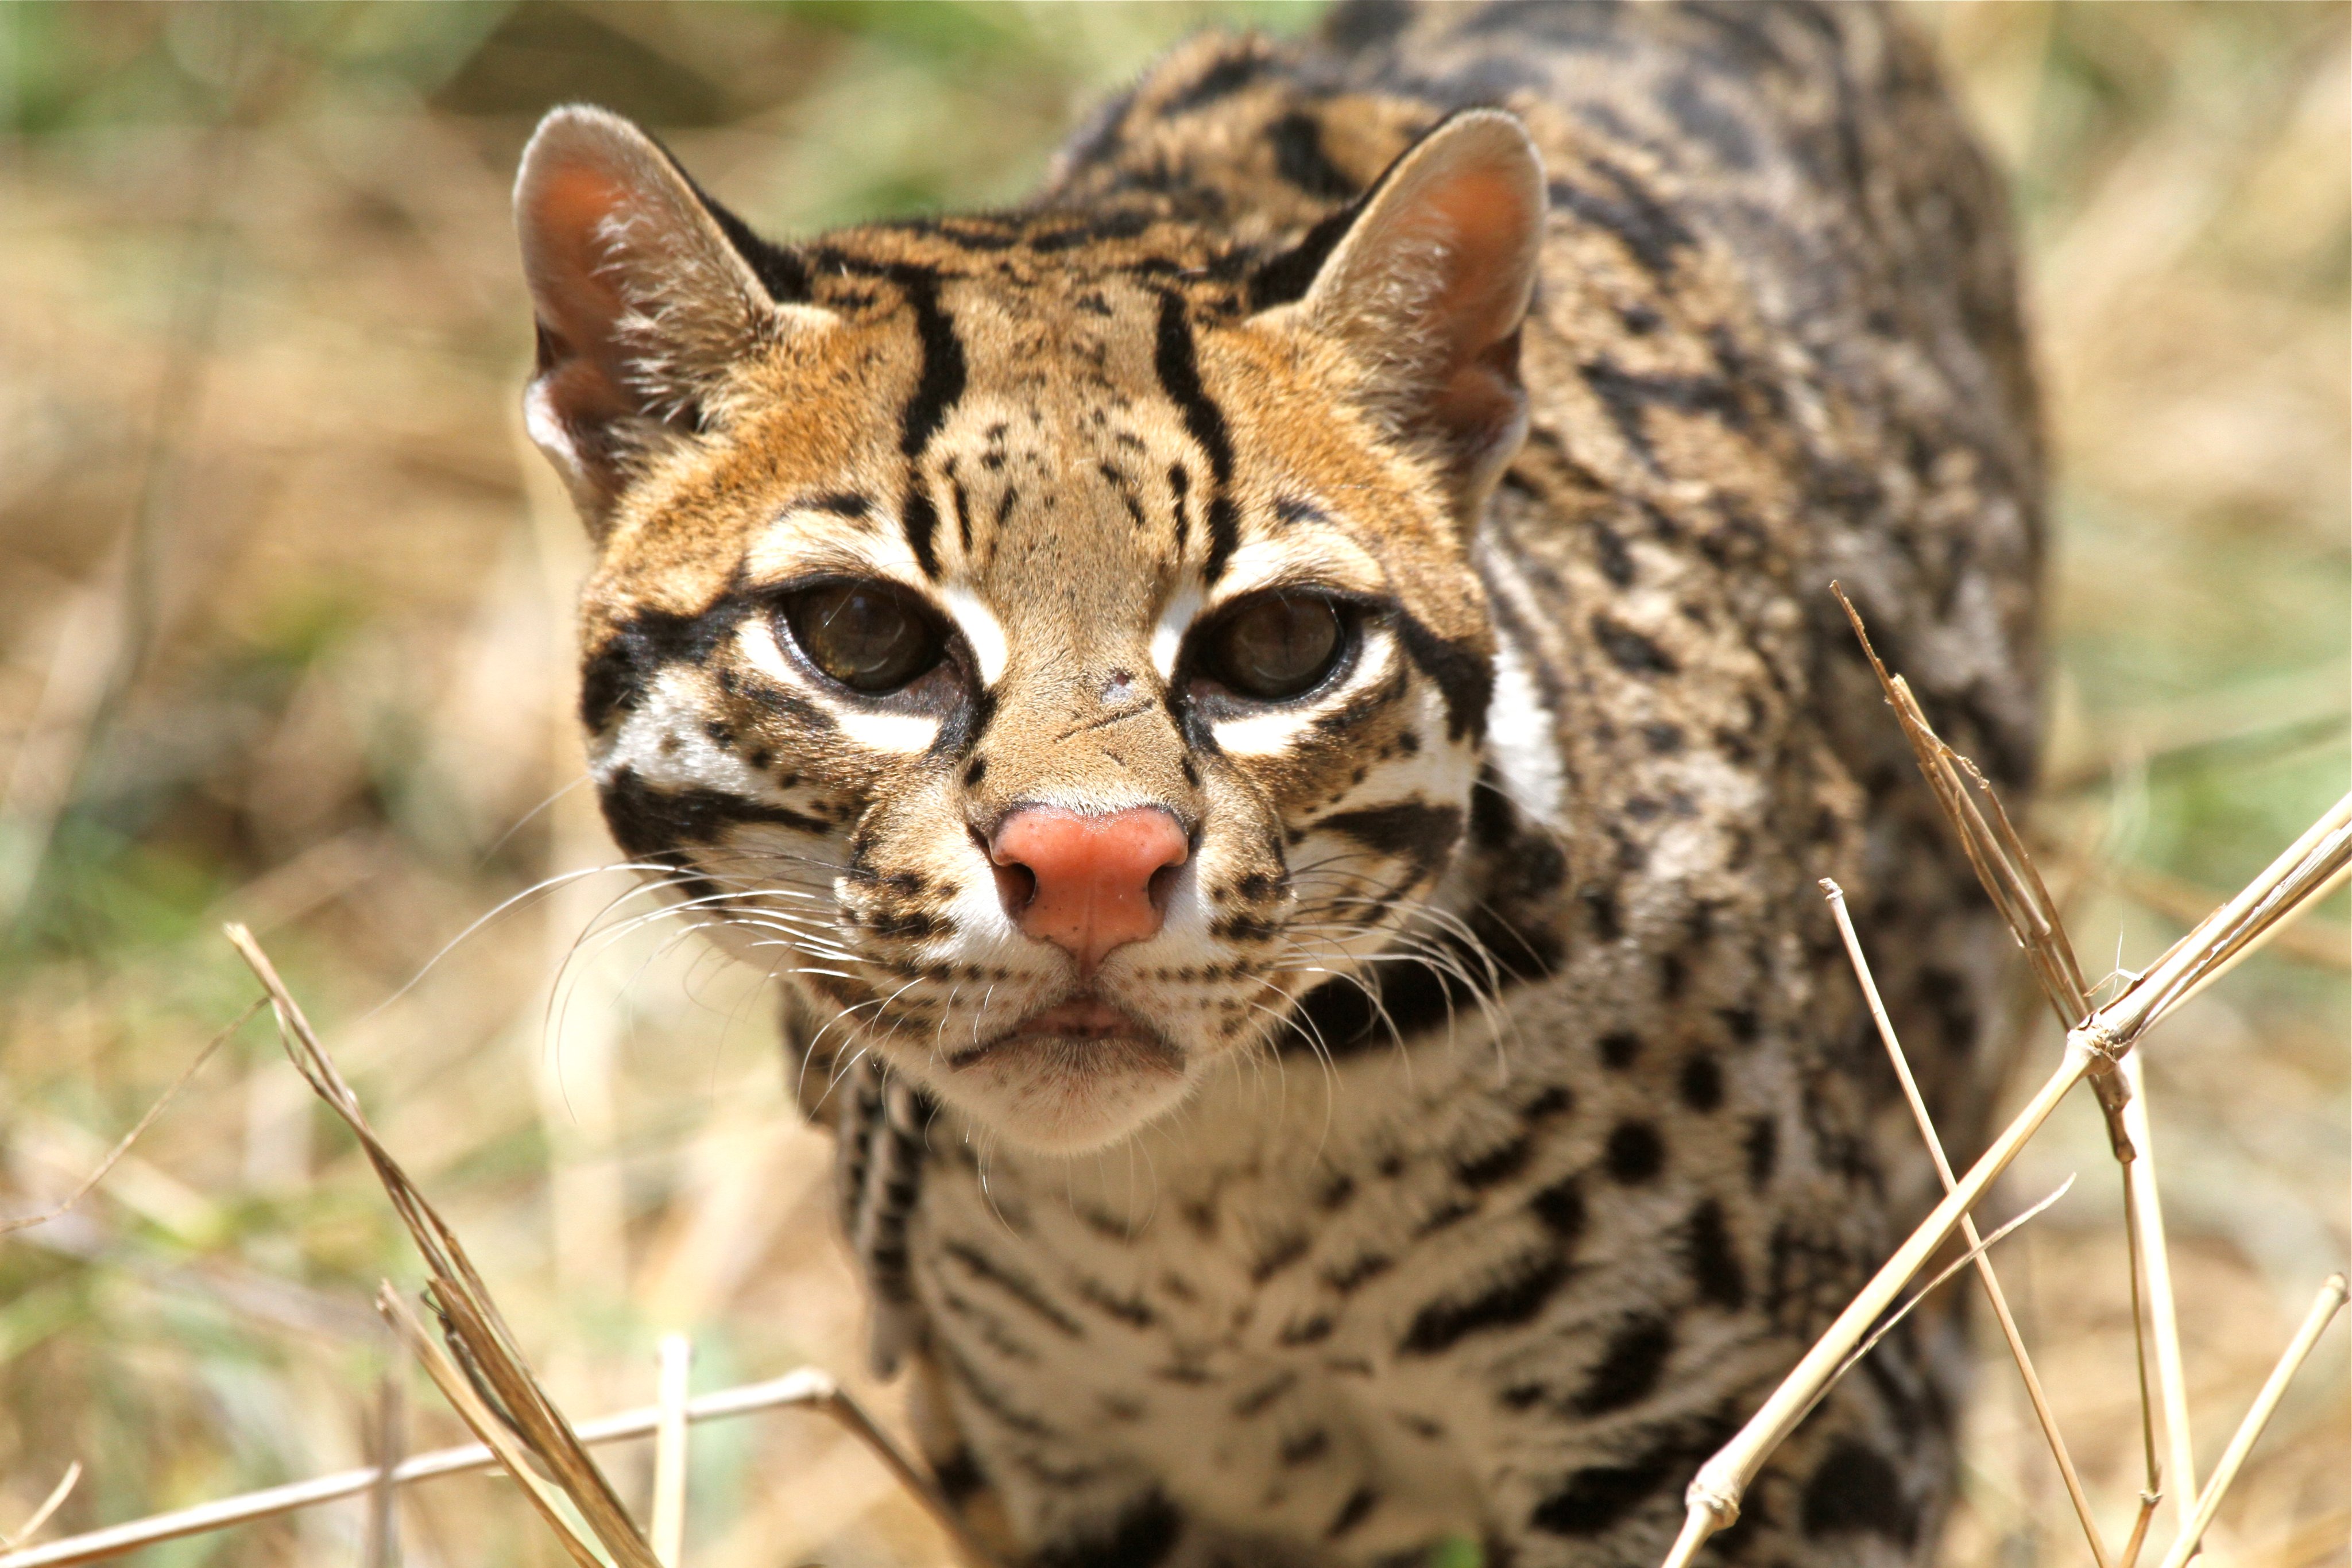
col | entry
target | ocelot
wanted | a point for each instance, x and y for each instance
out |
(1275, 713)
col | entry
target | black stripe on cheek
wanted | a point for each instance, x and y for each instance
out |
(1464, 675)
(938, 386)
(1409, 831)
(615, 677)
(1176, 359)
(1179, 485)
(921, 521)
(644, 821)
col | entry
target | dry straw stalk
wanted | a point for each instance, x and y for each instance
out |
(2098, 1040)
(475, 1361)
(807, 1387)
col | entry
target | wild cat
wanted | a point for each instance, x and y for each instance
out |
(1275, 713)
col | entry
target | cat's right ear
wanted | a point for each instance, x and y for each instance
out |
(643, 297)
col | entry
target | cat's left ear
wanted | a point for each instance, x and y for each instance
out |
(1428, 285)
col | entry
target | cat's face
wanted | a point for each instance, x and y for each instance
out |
(1048, 658)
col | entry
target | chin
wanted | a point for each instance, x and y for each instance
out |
(1060, 1092)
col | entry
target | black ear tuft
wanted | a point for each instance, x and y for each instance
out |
(643, 292)
(1425, 282)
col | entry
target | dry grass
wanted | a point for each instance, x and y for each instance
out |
(281, 640)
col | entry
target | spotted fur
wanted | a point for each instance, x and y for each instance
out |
(1506, 1125)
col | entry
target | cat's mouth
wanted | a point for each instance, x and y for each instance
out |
(1083, 1034)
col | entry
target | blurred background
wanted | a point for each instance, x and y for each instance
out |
(283, 639)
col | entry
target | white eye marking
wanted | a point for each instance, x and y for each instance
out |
(887, 731)
(981, 629)
(1264, 734)
(1168, 637)
(1519, 734)
(756, 640)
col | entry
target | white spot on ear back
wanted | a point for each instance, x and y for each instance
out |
(550, 435)
(1168, 637)
(981, 629)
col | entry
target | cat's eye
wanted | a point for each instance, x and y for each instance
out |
(1274, 646)
(869, 637)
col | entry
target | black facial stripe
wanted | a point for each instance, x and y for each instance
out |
(1413, 994)
(1179, 484)
(1465, 676)
(960, 504)
(1176, 359)
(646, 821)
(937, 387)
(615, 679)
(1409, 831)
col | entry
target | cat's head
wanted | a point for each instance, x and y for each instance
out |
(1047, 641)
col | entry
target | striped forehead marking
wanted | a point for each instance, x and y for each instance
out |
(939, 384)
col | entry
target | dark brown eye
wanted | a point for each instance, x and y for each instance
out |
(1278, 645)
(869, 638)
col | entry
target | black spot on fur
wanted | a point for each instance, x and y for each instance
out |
(1629, 1367)
(959, 1475)
(1221, 80)
(1856, 1489)
(1527, 1284)
(1282, 279)
(1362, 24)
(1500, 1164)
(1627, 397)
(1714, 1262)
(1635, 1152)
(1618, 1049)
(1701, 1083)
(1629, 649)
(1353, 1512)
(1299, 158)
(1596, 1498)
(1763, 1150)
(1561, 1207)
(983, 1267)
(1650, 230)
(1144, 1533)
(1616, 560)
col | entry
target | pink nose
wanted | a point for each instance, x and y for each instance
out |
(1085, 884)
